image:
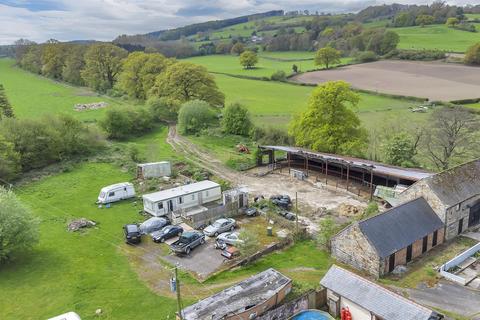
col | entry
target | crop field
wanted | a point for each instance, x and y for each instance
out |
(33, 96)
(437, 37)
(268, 63)
(432, 80)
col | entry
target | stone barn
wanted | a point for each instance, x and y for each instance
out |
(380, 243)
(453, 194)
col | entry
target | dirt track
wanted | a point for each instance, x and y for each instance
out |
(432, 80)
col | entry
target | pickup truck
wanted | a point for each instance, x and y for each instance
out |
(187, 241)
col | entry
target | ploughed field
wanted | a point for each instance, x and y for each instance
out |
(432, 80)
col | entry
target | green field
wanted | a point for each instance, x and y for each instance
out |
(473, 16)
(268, 63)
(437, 37)
(33, 96)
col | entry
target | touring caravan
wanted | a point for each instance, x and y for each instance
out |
(67, 316)
(116, 192)
(164, 202)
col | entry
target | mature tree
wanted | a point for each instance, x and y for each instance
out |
(22, 46)
(6, 109)
(400, 149)
(238, 48)
(32, 59)
(327, 231)
(472, 56)
(74, 64)
(248, 59)
(452, 136)
(236, 120)
(327, 56)
(194, 116)
(103, 63)
(139, 72)
(53, 60)
(163, 109)
(184, 81)
(328, 124)
(381, 41)
(452, 22)
(9, 160)
(18, 227)
(424, 19)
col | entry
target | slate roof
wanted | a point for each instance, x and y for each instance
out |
(400, 226)
(372, 297)
(457, 184)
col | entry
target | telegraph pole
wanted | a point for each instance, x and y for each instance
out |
(296, 211)
(177, 289)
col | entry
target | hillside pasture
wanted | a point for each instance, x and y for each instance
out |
(432, 80)
(437, 37)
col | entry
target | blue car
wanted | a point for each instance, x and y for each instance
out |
(166, 233)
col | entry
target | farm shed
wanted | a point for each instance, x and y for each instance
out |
(453, 194)
(351, 172)
(366, 300)
(244, 301)
(180, 198)
(380, 243)
(154, 170)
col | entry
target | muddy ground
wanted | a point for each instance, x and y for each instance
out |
(432, 80)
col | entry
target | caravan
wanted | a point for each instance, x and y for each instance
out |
(116, 192)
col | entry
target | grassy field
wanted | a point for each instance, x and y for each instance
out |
(33, 96)
(436, 37)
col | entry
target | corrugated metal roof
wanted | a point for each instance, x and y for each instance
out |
(372, 297)
(457, 184)
(180, 191)
(400, 226)
(379, 168)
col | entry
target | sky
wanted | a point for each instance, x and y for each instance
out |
(40, 20)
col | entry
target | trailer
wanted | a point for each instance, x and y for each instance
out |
(165, 202)
(116, 192)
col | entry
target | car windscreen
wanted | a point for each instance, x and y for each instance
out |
(132, 228)
(218, 224)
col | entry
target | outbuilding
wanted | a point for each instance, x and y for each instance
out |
(154, 170)
(365, 300)
(379, 244)
(165, 202)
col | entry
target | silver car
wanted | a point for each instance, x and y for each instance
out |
(228, 238)
(220, 226)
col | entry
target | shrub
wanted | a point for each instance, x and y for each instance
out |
(18, 227)
(279, 76)
(249, 242)
(121, 123)
(270, 135)
(466, 27)
(365, 56)
(195, 116)
(420, 55)
(236, 120)
(472, 56)
(163, 109)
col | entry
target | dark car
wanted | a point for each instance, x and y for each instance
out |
(166, 233)
(187, 241)
(251, 212)
(282, 201)
(288, 215)
(132, 234)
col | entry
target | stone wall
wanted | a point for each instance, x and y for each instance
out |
(285, 311)
(456, 213)
(351, 247)
(421, 189)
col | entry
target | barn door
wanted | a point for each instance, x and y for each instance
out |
(474, 216)
(391, 262)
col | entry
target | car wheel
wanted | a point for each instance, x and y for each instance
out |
(161, 240)
(216, 234)
(232, 228)
(202, 241)
(187, 251)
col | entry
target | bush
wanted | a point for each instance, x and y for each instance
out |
(236, 120)
(249, 242)
(18, 227)
(270, 135)
(195, 116)
(120, 123)
(419, 55)
(279, 76)
(472, 56)
(466, 27)
(365, 56)
(163, 109)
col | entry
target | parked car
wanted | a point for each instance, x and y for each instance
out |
(153, 224)
(166, 233)
(227, 238)
(116, 192)
(251, 212)
(287, 215)
(230, 252)
(282, 201)
(132, 234)
(219, 226)
(188, 241)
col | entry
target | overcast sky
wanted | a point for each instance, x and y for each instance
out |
(40, 20)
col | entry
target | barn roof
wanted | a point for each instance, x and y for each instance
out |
(400, 226)
(457, 184)
(378, 300)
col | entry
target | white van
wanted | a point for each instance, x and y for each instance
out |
(67, 316)
(116, 192)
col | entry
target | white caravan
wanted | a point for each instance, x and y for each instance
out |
(164, 202)
(116, 192)
(67, 316)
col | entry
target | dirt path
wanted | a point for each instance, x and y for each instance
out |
(314, 200)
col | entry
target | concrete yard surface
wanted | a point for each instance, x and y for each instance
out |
(432, 80)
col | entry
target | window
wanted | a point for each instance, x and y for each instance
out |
(206, 193)
(160, 205)
(434, 240)
(111, 194)
(458, 207)
(425, 244)
(193, 196)
(180, 200)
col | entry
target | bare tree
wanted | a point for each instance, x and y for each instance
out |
(452, 135)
